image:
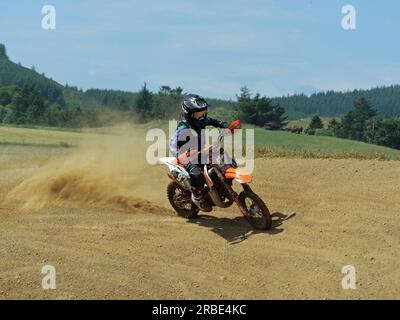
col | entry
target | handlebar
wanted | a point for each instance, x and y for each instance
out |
(233, 128)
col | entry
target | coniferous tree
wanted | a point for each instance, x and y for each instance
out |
(143, 104)
(3, 51)
(316, 123)
(259, 110)
(353, 124)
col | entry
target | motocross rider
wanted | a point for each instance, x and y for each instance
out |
(189, 133)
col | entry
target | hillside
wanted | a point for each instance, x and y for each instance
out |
(385, 99)
(286, 144)
(52, 92)
(15, 74)
(332, 104)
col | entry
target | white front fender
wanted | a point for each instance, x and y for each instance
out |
(170, 163)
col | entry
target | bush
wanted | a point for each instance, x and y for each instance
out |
(324, 132)
(10, 115)
(316, 123)
(2, 113)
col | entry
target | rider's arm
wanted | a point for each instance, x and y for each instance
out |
(180, 137)
(217, 123)
(181, 148)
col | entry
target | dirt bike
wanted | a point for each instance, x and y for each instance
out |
(219, 179)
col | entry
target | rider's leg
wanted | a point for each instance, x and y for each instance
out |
(196, 178)
(197, 182)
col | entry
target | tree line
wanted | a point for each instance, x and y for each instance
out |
(333, 104)
(363, 123)
(27, 97)
(26, 106)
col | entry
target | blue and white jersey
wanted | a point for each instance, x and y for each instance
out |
(192, 139)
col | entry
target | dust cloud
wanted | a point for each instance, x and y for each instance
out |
(107, 170)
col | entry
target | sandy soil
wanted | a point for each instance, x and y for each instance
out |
(327, 214)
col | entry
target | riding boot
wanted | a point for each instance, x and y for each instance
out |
(198, 198)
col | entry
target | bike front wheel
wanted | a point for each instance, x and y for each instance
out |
(258, 214)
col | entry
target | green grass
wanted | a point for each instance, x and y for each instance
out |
(33, 144)
(321, 146)
(267, 143)
(26, 126)
(265, 152)
(285, 144)
(306, 122)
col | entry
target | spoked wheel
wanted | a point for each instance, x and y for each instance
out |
(258, 214)
(180, 200)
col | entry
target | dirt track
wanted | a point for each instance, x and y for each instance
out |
(338, 212)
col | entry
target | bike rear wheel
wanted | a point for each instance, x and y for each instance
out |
(180, 200)
(258, 214)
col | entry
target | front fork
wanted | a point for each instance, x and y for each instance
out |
(233, 193)
(242, 208)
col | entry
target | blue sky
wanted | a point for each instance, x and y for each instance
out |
(208, 47)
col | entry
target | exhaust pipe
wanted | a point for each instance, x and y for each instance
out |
(217, 200)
